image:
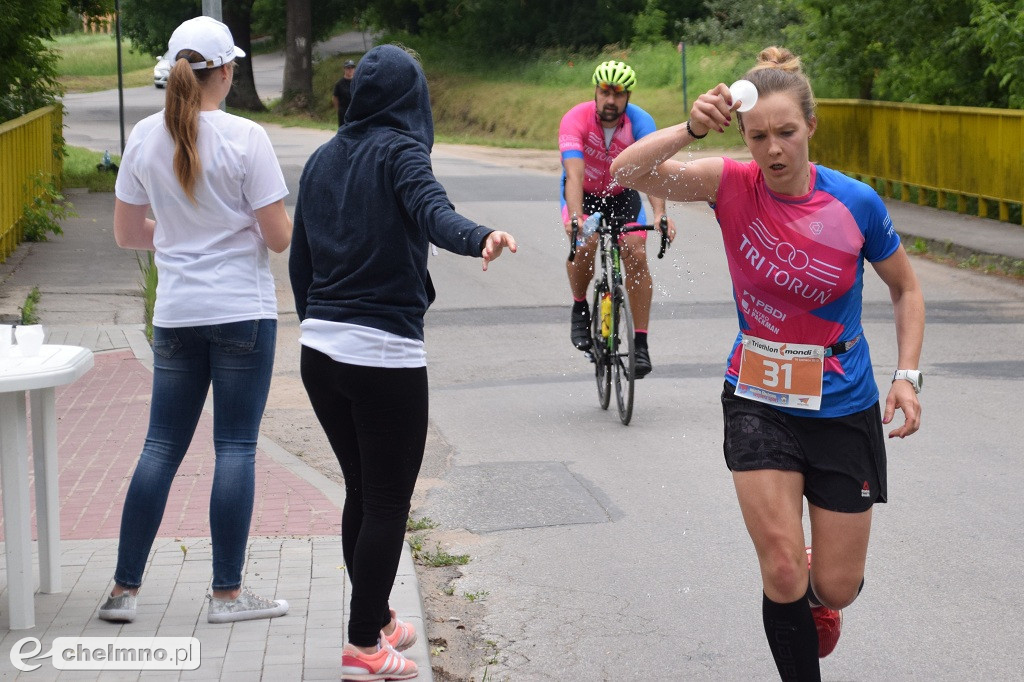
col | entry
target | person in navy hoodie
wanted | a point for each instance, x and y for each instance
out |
(368, 209)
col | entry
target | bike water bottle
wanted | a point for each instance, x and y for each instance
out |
(588, 228)
(606, 315)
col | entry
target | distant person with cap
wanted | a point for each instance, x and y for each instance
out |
(216, 189)
(343, 91)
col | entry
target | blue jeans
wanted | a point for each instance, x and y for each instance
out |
(238, 359)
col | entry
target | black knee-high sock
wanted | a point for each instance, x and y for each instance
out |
(793, 639)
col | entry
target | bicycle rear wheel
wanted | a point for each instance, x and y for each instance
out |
(599, 348)
(623, 357)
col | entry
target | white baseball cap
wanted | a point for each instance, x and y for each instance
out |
(208, 37)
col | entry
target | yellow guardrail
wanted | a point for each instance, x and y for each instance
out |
(954, 156)
(29, 145)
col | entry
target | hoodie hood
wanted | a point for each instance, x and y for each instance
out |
(389, 90)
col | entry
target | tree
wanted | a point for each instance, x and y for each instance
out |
(508, 25)
(297, 90)
(1000, 32)
(238, 17)
(28, 69)
(741, 22)
(149, 24)
(914, 51)
(650, 24)
(270, 18)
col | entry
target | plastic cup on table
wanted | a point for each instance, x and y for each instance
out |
(30, 339)
(744, 92)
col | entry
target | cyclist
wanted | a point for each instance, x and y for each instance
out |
(590, 136)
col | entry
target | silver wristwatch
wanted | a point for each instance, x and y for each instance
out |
(915, 378)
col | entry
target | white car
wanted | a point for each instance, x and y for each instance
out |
(160, 72)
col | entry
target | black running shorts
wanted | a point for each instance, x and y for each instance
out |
(842, 458)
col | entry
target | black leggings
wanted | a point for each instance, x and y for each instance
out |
(376, 421)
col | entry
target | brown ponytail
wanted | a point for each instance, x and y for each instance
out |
(181, 116)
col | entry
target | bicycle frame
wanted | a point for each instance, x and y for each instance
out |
(607, 354)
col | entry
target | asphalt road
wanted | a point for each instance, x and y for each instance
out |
(618, 553)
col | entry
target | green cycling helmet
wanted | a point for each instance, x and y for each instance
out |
(615, 75)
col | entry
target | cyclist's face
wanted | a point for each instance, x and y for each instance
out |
(610, 104)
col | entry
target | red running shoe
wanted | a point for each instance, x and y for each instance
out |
(828, 621)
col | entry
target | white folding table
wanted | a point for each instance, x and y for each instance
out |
(38, 375)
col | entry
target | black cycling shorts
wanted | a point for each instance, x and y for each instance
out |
(625, 205)
(842, 458)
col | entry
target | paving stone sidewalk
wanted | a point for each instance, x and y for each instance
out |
(294, 549)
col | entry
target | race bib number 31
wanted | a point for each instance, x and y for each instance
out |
(782, 374)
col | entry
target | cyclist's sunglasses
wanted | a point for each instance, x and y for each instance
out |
(614, 87)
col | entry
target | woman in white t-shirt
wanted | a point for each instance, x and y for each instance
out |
(217, 192)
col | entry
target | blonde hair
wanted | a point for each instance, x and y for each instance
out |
(181, 115)
(779, 70)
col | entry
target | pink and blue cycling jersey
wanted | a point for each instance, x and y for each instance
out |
(581, 136)
(797, 267)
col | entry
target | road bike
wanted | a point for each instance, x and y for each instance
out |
(611, 321)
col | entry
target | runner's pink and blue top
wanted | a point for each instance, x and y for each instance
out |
(581, 136)
(797, 266)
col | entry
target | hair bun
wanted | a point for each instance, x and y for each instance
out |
(779, 58)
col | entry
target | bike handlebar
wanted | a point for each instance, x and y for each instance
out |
(616, 228)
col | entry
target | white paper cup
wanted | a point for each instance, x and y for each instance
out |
(744, 92)
(5, 340)
(30, 339)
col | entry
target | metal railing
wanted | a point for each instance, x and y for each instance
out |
(29, 145)
(964, 153)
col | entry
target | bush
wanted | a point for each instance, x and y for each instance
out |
(41, 213)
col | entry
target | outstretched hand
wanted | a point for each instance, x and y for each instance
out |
(495, 243)
(902, 396)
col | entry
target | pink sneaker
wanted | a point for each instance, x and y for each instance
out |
(828, 621)
(385, 664)
(404, 635)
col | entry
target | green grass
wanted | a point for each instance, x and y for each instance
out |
(28, 311)
(441, 557)
(147, 287)
(287, 120)
(80, 170)
(95, 54)
(479, 595)
(414, 525)
(88, 62)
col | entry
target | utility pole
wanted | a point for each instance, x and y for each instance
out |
(211, 8)
(682, 51)
(120, 77)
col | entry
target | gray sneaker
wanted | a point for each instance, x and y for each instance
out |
(119, 609)
(247, 606)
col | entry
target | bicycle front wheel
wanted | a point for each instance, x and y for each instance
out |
(599, 349)
(623, 358)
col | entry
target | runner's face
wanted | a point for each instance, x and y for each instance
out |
(610, 104)
(776, 133)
